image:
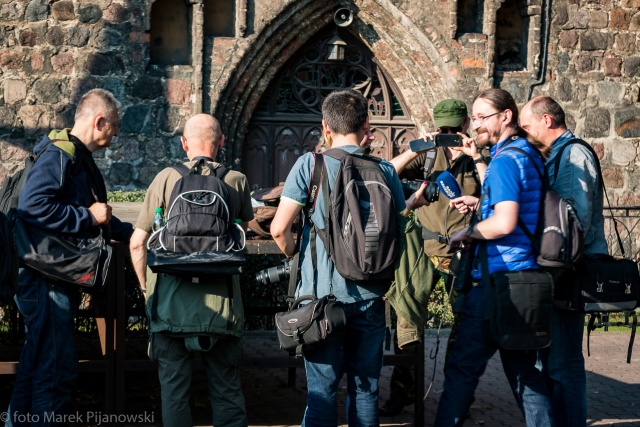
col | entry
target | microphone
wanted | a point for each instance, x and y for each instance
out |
(448, 185)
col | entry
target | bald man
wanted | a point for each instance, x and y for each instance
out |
(186, 317)
(64, 193)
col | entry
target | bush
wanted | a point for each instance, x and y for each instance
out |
(126, 196)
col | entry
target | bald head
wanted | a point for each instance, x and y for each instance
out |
(202, 136)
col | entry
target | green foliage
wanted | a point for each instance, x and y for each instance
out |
(126, 196)
(439, 307)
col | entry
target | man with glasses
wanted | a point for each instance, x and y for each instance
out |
(439, 222)
(511, 191)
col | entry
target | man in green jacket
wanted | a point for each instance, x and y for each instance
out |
(439, 222)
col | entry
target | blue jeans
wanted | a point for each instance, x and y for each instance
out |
(359, 355)
(467, 360)
(48, 365)
(565, 368)
(222, 367)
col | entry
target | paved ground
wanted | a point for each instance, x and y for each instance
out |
(613, 390)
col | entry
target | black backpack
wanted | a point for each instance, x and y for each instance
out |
(558, 238)
(199, 236)
(361, 227)
(9, 196)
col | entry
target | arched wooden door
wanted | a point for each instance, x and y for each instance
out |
(288, 121)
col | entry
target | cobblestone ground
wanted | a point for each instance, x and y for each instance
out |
(613, 390)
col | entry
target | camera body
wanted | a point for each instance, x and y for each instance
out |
(275, 274)
(431, 193)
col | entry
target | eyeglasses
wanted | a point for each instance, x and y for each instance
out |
(481, 119)
(449, 129)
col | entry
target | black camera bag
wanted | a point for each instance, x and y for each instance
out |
(303, 327)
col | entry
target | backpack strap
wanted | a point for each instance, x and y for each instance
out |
(604, 189)
(545, 186)
(429, 161)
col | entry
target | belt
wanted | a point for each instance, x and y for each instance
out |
(432, 235)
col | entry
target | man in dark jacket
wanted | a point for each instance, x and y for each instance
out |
(64, 193)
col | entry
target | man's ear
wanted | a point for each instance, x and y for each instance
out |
(185, 145)
(221, 143)
(99, 122)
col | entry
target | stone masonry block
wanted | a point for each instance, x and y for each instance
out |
(631, 66)
(7, 117)
(55, 36)
(177, 92)
(10, 59)
(28, 38)
(611, 92)
(598, 19)
(613, 178)
(63, 11)
(63, 63)
(592, 40)
(635, 22)
(625, 43)
(597, 122)
(627, 122)
(37, 10)
(47, 91)
(116, 13)
(612, 65)
(623, 152)
(12, 10)
(568, 39)
(620, 19)
(90, 13)
(14, 91)
(35, 118)
(77, 36)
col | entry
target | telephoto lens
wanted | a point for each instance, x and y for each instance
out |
(431, 193)
(275, 274)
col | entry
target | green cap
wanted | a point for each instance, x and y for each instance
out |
(158, 210)
(450, 112)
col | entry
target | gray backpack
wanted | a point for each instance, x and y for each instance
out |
(361, 225)
(558, 238)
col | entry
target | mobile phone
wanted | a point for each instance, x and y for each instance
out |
(418, 145)
(448, 140)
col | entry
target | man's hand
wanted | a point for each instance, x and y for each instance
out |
(100, 213)
(468, 146)
(416, 200)
(465, 204)
(459, 238)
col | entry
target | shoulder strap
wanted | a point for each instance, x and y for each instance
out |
(314, 187)
(429, 161)
(182, 169)
(604, 189)
(545, 187)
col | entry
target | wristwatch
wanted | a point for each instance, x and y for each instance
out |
(479, 160)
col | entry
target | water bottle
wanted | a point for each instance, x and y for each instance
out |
(158, 220)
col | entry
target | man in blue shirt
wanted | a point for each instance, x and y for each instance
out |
(575, 179)
(511, 190)
(359, 354)
(59, 196)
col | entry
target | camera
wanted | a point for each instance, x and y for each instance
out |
(447, 140)
(275, 274)
(431, 193)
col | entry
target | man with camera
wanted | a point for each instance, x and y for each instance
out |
(358, 353)
(572, 171)
(188, 315)
(439, 222)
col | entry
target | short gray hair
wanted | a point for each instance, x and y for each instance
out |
(97, 101)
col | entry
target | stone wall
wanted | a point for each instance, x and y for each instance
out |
(53, 51)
